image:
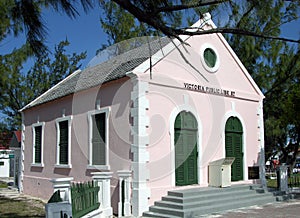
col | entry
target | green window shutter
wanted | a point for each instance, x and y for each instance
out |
(234, 146)
(38, 144)
(179, 160)
(63, 142)
(98, 139)
(185, 140)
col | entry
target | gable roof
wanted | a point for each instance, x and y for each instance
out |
(113, 69)
(136, 59)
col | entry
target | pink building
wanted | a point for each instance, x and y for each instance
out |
(163, 111)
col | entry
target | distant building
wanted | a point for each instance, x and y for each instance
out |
(15, 147)
(4, 154)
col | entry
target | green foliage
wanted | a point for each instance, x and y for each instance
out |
(274, 65)
(18, 88)
(120, 25)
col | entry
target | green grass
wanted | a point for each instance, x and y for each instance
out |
(3, 184)
(21, 208)
(272, 183)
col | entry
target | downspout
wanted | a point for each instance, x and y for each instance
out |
(140, 172)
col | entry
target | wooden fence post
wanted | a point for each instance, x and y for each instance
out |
(103, 181)
(124, 205)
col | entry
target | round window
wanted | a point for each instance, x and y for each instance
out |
(209, 58)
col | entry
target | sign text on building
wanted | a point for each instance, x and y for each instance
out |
(210, 90)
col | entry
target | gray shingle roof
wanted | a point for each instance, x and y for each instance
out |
(114, 68)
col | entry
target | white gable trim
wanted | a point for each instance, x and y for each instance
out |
(206, 20)
(32, 102)
(164, 51)
(240, 64)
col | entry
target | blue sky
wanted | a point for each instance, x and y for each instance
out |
(84, 33)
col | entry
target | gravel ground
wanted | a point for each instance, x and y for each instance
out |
(280, 209)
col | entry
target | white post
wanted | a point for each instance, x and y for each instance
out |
(103, 181)
(124, 175)
(64, 186)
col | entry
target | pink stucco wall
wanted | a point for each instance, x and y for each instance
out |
(168, 96)
(115, 95)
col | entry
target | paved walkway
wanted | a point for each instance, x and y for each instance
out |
(288, 209)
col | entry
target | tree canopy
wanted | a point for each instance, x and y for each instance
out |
(23, 16)
(19, 87)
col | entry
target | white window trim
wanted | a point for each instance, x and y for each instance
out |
(217, 65)
(42, 124)
(105, 110)
(57, 121)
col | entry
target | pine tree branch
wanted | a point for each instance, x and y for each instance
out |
(172, 8)
(157, 23)
(237, 31)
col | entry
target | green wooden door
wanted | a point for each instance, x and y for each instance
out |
(186, 153)
(234, 147)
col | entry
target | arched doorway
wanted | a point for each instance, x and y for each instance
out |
(234, 146)
(186, 153)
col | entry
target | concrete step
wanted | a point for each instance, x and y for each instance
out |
(208, 195)
(207, 190)
(200, 201)
(178, 203)
(9, 192)
(152, 214)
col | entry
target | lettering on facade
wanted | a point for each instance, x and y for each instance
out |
(209, 90)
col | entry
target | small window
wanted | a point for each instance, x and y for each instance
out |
(38, 144)
(98, 138)
(38, 138)
(63, 146)
(209, 58)
(63, 142)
